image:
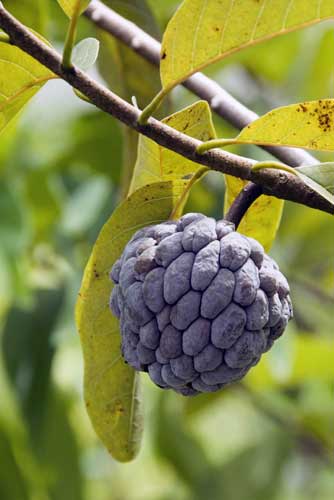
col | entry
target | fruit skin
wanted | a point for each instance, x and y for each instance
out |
(198, 303)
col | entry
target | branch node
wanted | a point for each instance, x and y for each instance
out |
(135, 102)
(136, 43)
(96, 15)
(216, 102)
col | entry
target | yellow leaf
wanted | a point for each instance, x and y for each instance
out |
(70, 6)
(307, 125)
(112, 391)
(204, 31)
(155, 163)
(262, 219)
(24, 77)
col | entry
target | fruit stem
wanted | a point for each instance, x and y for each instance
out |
(247, 196)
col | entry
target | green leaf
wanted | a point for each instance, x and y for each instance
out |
(295, 359)
(14, 229)
(317, 188)
(176, 444)
(28, 347)
(24, 77)
(13, 484)
(112, 390)
(155, 163)
(260, 464)
(262, 219)
(44, 198)
(58, 448)
(202, 32)
(319, 77)
(88, 141)
(16, 451)
(322, 173)
(85, 53)
(84, 206)
(71, 6)
(32, 13)
(304, 125)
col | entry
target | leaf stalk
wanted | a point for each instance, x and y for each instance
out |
(151, 107)
(215, 143)
(274, 164)
(71, 37)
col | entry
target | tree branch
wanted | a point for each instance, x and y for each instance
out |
(275, 183)
(220, 101)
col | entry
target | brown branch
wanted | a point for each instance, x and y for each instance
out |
(221, 102)
(275, 183)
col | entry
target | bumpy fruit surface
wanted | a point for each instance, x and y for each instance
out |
(198, 303)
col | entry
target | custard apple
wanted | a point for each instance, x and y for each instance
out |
(198, 303)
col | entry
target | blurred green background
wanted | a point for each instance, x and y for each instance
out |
(64, 166)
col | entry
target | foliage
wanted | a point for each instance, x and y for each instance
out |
(70, 7)
(308, 125)
(64, 168)
(201, 33)
(25, 76)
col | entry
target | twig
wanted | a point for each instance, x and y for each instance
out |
(219, 99)
(274, 183)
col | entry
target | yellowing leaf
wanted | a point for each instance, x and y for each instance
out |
(262, 219)
(24, 77)
(112, 392)
(155, 163)
(204, 31)
(70, 6)
(307, 125)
